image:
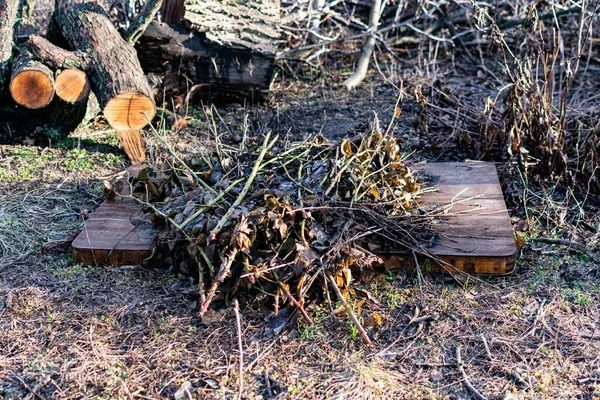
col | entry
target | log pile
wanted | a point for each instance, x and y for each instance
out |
(80, 63)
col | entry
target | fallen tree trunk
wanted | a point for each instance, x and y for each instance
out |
(110, 63)
(8, 20)
(31, 82)
(227, 47)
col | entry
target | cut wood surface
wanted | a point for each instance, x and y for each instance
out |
(72, 85)
(473, 232)
(8, 19)
(31, 82)
(110, 62)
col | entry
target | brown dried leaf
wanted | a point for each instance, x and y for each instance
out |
(374, 192)
(180, 124)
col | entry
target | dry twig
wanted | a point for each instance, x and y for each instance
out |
(238, 322)
(468, 384)
(349, 311)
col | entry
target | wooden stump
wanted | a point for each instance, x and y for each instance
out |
(110, 63)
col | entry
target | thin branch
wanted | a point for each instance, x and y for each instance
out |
(142, 20)
(336, 289)
(568, 243)
(257, 166)
(468, 384)
(367, 50)
(238, 322)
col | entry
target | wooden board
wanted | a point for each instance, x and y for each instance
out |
(474, 233)
(114, 234)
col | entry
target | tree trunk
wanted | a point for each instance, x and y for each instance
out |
(111, 64)
(31, 82)
(8, 20)
(228, 47)
(172, 11)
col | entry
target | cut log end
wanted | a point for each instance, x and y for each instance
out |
(32, 89)
(72, 85)
(129, 111)
(133, 144)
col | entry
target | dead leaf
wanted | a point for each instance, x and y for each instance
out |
(180, 123)
(347, 147)
(212, 317)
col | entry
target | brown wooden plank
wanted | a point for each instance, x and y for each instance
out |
(114, 235)
(474, 233)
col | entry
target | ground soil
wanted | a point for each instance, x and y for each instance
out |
(69, 331)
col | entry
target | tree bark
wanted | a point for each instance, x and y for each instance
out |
(183, 59)
(8, 20)
(251, 25)
(172, 11)
(228, 47)
(31, 82)
(110, 63)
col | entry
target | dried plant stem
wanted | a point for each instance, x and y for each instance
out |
(465, 377)
(336, 289)
(238, 322)
(568, 243)
(257, 166)
(212, 203)
(224, 271)
(26, 386)
(293, 300)
(367, 50)
(328, 296)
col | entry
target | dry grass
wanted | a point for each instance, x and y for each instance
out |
(69, 331)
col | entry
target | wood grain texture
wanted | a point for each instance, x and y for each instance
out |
(473, 233)
(72, 85)
(31, 82)
(113, 236)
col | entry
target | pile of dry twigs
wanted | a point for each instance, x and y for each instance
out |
(274, 220)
